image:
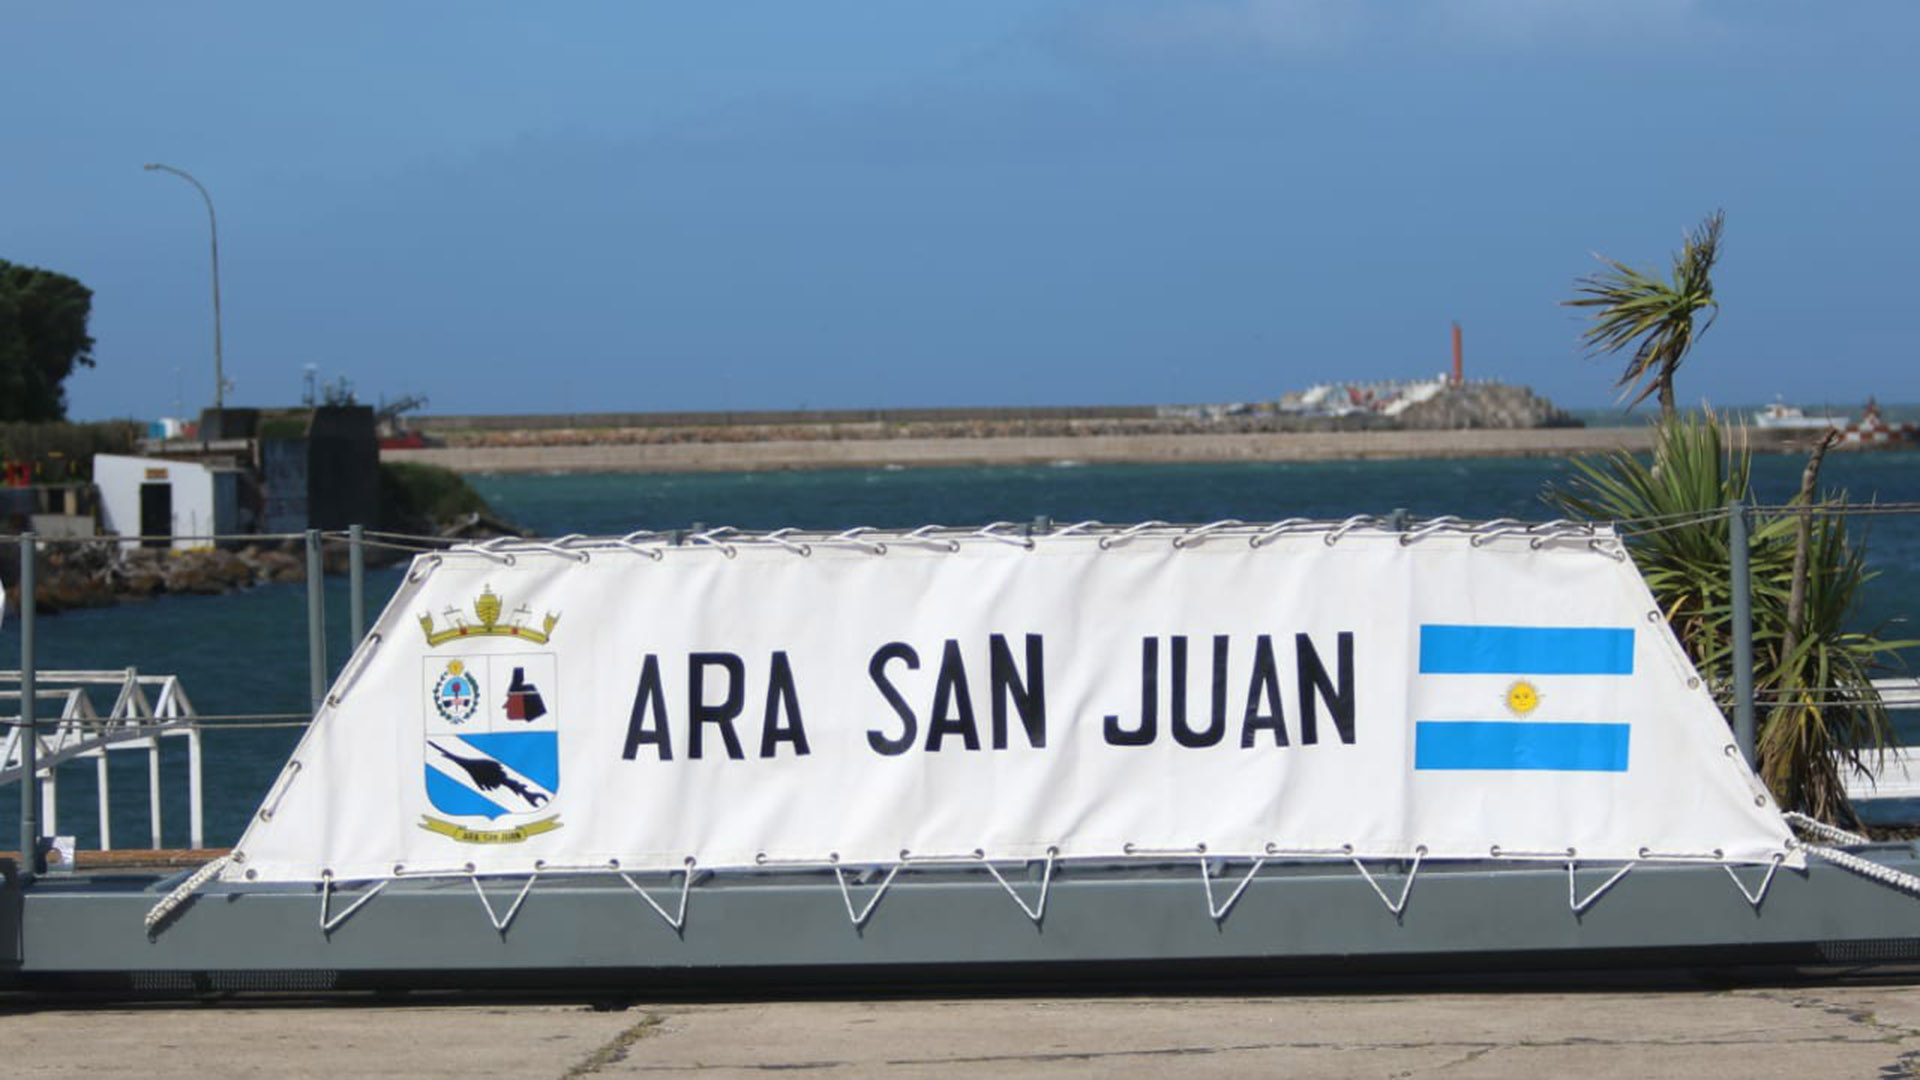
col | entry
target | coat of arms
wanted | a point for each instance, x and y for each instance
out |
(491, 735)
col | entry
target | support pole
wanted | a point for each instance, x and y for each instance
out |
(357, 582)
(1742, 590)
(316, 620)
(30, 863)
(196, 803)
(106, 800)
(153, 794)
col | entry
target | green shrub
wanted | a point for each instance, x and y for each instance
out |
(421, 498)
(1817, 712)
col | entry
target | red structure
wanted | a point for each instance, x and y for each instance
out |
(1458, 375)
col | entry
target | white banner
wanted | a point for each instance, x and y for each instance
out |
(770, 702)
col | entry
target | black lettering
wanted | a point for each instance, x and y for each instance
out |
(1264, 711)
(700, 713)
(1029, 694)
(782, 701)
(1149, 701)
(1314, 682)
(1216, 728)
(950, 692)
(648, 700)
(877, 669)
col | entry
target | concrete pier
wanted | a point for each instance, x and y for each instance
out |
(1785, 1032)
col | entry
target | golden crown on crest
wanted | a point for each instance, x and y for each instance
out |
(486, 608)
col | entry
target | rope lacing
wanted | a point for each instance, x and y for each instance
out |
(678, 920)
(1398, 907)
(729, 540)
(327, 923)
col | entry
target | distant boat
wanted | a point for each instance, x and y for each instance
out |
(1782, 415)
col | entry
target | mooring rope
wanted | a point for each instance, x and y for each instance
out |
(1823, 830)
(1867, 868)
(169, 904)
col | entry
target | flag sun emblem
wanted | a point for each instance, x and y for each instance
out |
(456, 695)
(1522, 698)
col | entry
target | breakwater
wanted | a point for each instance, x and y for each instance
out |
(1151, 447)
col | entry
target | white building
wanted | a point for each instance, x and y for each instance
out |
(142, 496)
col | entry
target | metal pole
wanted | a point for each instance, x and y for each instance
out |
(196, 802)
(1742, 589)
(356, 582)
(29, 731)
(153, 793)
(101, 783)
(213, 230)
(316, 620)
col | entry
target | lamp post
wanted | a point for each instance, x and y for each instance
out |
(213, 230)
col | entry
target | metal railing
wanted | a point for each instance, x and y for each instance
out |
(145, 709)
(36, 747)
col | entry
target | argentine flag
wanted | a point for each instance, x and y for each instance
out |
(1522, 698)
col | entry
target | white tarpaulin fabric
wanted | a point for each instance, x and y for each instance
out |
(751, 702)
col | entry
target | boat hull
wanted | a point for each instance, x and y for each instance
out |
(953, 928)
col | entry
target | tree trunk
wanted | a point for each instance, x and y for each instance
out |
(1666, 390)
(1802, 544)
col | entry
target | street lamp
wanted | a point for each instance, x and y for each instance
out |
(213, 229)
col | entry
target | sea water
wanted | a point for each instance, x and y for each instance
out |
(247, 652)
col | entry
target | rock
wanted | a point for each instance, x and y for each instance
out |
(270, 565)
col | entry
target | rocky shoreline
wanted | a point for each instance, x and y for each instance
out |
(105, 572)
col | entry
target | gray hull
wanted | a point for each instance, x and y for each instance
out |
(952, 927)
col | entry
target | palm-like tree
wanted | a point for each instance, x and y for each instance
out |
(1655, 317)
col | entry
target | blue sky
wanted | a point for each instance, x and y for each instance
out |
(627, 206)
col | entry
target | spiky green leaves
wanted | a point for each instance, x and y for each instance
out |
(1634, 309)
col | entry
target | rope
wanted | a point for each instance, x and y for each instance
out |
(501, 923)
(846, 894)
(1035, 912)
(326, 896)
(1823, 830)
(678, 919)
(1405, 890)
(1755, 896)
(1885, 875)
(169, 904)
(1578, 905)
(1219, 911)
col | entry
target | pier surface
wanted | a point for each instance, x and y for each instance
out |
(1797, 1032)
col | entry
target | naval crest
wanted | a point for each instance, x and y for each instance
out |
(487, 609)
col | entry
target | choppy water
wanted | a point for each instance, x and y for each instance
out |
(248, 652)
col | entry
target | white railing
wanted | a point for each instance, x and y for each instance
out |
(1898, 776)
(145, 709)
